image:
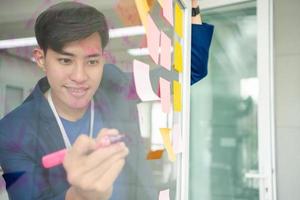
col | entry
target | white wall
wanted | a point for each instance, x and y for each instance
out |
(16, 72)
(287, 97)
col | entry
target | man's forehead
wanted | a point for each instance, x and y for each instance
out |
(89, 46)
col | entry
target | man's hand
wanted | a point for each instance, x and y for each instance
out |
(197, 19)
(91, 171)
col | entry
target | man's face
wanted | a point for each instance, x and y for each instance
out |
(75, 74)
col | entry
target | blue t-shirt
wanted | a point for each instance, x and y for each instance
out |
(82, 126)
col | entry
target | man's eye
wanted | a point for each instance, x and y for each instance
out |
(93, 62)
(65, 61)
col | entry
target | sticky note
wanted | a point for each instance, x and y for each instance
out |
(164, 195)
(177, 96)
(150, 3)
(177, 142)
(165, 133)
(143, 9)
(144, 114)
(178, 57)
(153, 39)
(160, 2)
(155, 155)
(167, 6)
(165, 45)
(142, 81)
(178, 20)
(165, 96)
(127, 12)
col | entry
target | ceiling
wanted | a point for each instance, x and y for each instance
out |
(17, 20)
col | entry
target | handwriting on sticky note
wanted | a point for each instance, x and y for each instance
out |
(178, 57)
(178, 20)
(166, 45)
(164, 195)
(167, 6)
(142, 81)
(165, 95)
(165, 133)
(155, 155)
(153, 39)
(177, 96)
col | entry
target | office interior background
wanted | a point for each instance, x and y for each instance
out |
(244, 121)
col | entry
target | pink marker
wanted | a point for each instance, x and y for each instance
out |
(57, 158)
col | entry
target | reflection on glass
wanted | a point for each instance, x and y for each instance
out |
(224, 111)
(21, 71)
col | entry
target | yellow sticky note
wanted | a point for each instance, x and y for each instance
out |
(143, 9)
(178, 57)
(178, 20)
(160, 2)
(165, 133)
(177, 96)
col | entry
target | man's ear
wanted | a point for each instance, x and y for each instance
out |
(39, 57)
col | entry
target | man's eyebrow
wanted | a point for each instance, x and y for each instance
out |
(93, 55)
(66, 53)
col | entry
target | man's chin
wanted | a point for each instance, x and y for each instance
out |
(79, 104)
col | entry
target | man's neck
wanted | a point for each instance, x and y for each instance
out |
(64, 111)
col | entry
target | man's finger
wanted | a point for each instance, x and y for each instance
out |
(104, 153)
(83, 145)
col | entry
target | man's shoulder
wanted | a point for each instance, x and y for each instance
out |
(23, 114)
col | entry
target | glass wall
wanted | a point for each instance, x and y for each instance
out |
(116, 100)
(224, 145)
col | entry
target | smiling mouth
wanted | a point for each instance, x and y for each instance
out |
(77, 92)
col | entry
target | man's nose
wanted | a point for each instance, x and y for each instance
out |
(79, 74)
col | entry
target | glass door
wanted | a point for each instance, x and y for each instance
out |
(224, 151)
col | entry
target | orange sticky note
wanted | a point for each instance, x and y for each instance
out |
(165, 96)
(165, 133)
(178, 57)
(166, 45)
(177, 96)
(167, 6)
(155, 155)
(153, 39)
(178, 20)
(141, 74)
(143, 9)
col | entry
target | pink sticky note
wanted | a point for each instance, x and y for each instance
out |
(142, 81)
(165, 96)
(164, 195)
(166, 45)
(153, 38)
(177, 139)
(167, 6)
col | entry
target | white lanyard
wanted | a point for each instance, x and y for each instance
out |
(60, 124)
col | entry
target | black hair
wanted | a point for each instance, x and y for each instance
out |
(67, 22)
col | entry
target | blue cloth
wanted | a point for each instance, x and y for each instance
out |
(82, 125)
(30, 132)
(201, 40)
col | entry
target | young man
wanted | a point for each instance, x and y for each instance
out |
(70, 101)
